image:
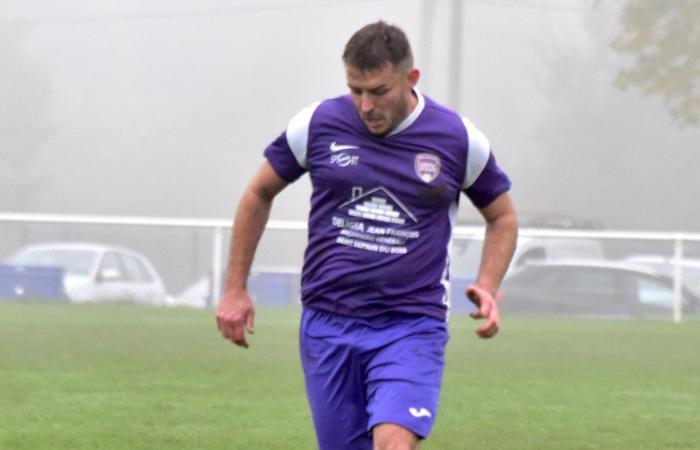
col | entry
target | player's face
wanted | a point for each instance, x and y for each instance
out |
(382, 97)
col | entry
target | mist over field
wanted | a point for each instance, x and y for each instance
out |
(164, 108)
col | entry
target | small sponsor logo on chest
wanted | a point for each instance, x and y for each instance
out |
(343, 159)
(427, 166)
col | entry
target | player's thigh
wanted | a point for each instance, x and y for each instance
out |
(334, 382)
(404, 380)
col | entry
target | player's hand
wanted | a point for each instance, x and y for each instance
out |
(234, 316)
(487, 310)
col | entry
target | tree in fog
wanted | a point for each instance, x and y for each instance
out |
(662, 40)
(24, 93)
(608, 156)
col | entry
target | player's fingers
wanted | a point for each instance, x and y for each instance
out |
(218, 323)
(473, 295)
(485, 305)
(491, 326)
(250, 322)
(482, 299)
(231, 328)
(238, 336)
(222, 324)
(474, 299)
(487, 330)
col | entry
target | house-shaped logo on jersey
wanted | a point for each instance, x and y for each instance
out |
(378, 204)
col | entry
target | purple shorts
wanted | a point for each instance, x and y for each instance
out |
(363, 372)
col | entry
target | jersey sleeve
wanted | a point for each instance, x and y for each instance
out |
(483, 179)
(282, 160)
(288, 153)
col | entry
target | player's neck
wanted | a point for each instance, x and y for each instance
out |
(411, 103)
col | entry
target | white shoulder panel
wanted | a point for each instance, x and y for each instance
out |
(478, 154)
(298, 133)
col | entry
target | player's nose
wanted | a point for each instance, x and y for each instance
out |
(366, 104)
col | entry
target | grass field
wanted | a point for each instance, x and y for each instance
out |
(131, 377)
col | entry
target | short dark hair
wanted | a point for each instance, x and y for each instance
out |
(377, 44)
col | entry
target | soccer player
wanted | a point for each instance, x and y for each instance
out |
(387, 166)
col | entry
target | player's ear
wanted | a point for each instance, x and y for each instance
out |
(413, 76)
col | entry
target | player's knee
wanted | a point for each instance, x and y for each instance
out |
(398, 446)
(394, 437)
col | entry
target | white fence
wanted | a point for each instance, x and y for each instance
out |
(218, 231)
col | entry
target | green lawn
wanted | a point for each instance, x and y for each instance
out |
(132, 377)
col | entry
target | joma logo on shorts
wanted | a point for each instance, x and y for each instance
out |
(419, 412)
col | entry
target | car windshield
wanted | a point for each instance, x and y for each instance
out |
(73, 262)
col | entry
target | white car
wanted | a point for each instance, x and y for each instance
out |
(96, 272)
(196, 295)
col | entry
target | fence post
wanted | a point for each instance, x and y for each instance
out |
(678, 279)
(216, 267)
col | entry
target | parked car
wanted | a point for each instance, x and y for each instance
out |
(196, 295)
(666, 266)
(591, 288)
(96, 272)
(466, 256)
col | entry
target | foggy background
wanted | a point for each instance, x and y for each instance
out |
(163, 108)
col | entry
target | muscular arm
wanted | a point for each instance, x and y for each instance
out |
(499, 245)
(499, 242)
(235, 311)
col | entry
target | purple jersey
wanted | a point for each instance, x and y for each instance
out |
(383, 207)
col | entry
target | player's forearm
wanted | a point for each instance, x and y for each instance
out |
(251, 216)
(499, 246)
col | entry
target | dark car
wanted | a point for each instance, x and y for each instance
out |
(591, 288)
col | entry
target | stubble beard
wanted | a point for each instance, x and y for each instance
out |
(399, 114)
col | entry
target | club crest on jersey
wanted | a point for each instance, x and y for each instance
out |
(427, 166)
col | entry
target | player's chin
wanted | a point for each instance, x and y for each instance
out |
(377, 127)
